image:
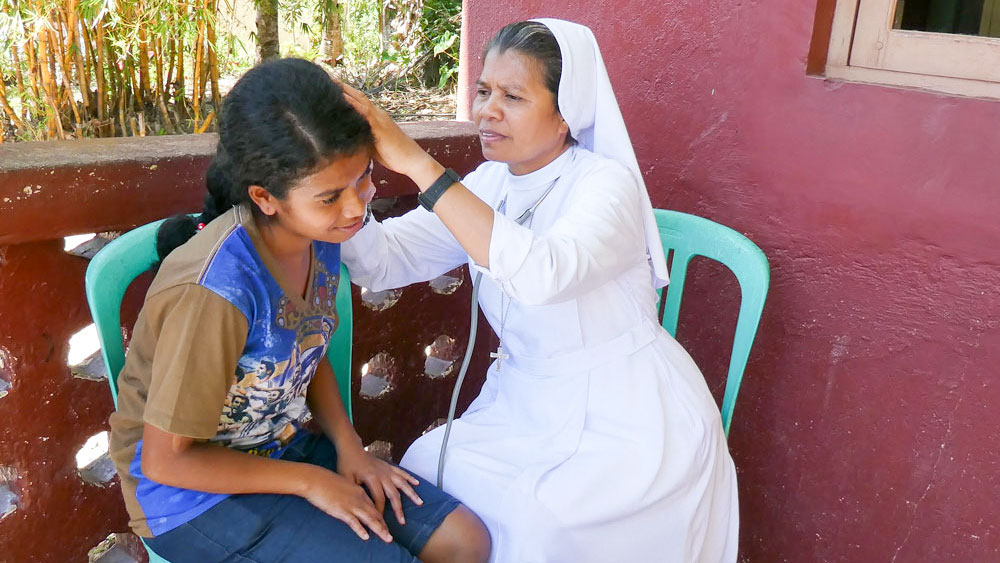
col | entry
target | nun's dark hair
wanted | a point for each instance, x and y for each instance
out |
(282, 121)
(534, 40)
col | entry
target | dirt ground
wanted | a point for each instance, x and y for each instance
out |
(417, 105)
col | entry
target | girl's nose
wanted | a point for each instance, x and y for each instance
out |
(354, 202)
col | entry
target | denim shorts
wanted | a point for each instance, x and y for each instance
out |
(268, 528)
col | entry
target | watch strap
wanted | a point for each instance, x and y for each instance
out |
(429, 197)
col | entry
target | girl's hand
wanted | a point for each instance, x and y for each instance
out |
(383, 480)
(396, 151)
(345, 501)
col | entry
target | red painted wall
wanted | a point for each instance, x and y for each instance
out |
(57, 188)
(865, 429)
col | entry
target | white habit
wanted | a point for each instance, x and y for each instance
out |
(597, 441)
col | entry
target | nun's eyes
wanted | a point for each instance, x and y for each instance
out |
(513, 98)
(482, 92)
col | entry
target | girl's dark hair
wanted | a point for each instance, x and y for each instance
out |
(283, 120)
(535, 40)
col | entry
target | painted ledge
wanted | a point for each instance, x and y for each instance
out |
(52, 189)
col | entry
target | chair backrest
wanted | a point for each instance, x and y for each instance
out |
(688, 236)
(123, 259)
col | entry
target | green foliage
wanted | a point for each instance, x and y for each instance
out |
(441, 23)
(421, 42)
(401, 43)
(362, 46)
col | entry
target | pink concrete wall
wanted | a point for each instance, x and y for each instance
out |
(865, 429)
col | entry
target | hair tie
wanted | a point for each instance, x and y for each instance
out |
(201, 226)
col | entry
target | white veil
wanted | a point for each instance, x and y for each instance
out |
(588, 104)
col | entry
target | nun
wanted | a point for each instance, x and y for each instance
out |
(595, 438)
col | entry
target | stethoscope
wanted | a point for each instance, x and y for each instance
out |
(473, 329)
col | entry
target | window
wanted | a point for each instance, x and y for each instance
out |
(949, 46)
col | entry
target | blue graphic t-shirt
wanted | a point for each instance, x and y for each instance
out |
(287, 336)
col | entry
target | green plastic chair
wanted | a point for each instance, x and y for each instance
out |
(114, 268)
(689, 236)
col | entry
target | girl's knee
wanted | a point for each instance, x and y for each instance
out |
(461, 538)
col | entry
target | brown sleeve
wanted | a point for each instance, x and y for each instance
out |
(200, 339)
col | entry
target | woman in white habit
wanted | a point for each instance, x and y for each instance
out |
(595, 438)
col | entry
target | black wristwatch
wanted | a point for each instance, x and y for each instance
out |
(431, 195)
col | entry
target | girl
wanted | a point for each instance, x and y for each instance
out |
(227, 359)
(595, 438)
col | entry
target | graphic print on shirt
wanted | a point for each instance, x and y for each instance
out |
(266, 405)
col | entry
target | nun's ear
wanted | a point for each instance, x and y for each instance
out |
(563, 126)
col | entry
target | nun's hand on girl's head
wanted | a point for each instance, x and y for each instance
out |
(396, 151)
(383, 480)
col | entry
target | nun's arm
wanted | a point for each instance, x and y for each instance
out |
(598, 234)
(401, 250)
(462, 212)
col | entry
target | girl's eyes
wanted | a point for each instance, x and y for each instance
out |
(331, 200)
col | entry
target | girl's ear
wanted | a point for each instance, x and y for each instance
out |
(263, 199)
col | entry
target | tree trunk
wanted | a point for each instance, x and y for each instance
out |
(213, 59)
(145, 88)
(21, 87)
(7, 109)
(113, 75)
(267, 30)
(103, 108)
(383, 25)
(333, 39)
(48, 87)
(198, 85)
(180, 85)
(34, 75)
(161, 87)
(57, 40)
(74, 56)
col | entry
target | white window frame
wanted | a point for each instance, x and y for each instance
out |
(865, 48)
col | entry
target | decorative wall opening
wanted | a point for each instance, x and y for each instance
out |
(446, 285)
(94, 463)
(380, 300)
(377, 376)
(84, 357)
(8, 491)
(117, 548)
(87, 245)
(441, 356)
(437, 422)
(6, 372)
(380, 449)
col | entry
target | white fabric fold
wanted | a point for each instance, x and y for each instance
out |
(587, 102)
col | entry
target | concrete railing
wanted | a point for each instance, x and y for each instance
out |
(58, 494)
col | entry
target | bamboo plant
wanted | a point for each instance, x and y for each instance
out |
(74, 68)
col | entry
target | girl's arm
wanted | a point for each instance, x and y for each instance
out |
(353, 462)
(180, 461)
(199, 339)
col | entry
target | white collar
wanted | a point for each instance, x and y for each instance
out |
(542, 177)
